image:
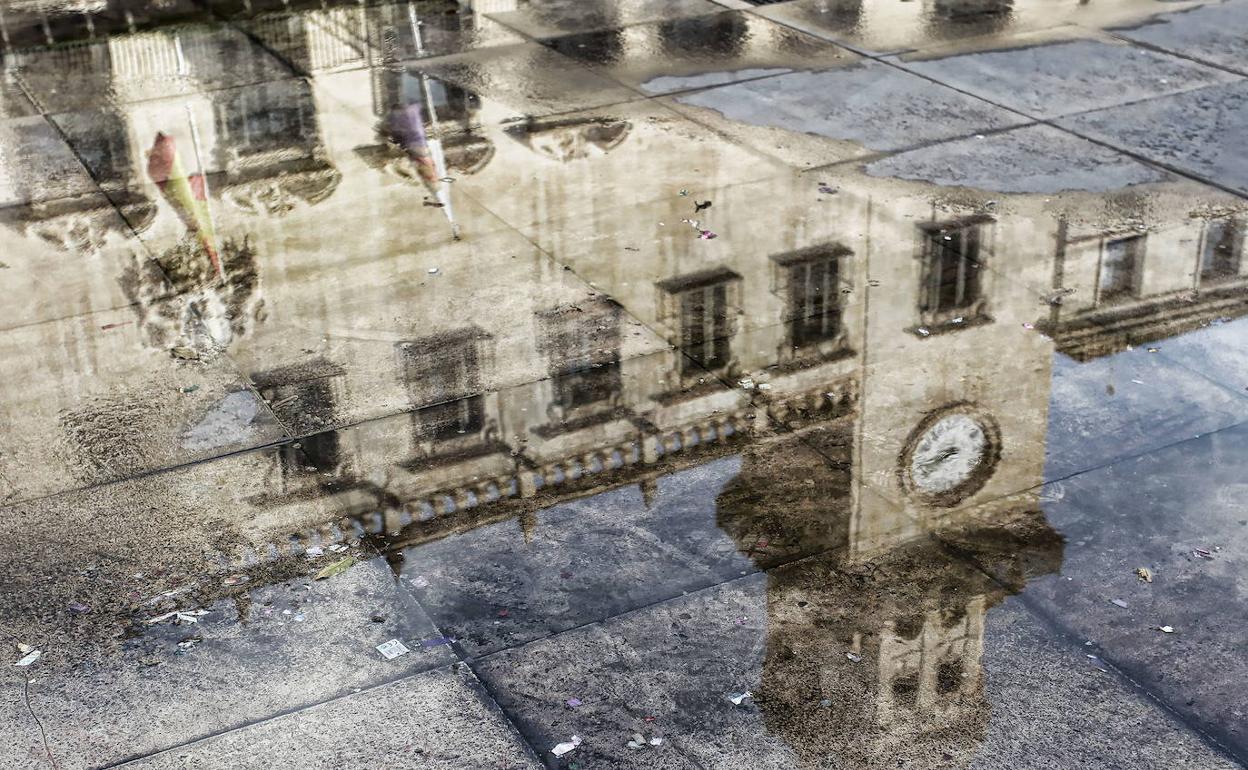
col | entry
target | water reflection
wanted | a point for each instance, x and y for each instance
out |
(865, 364)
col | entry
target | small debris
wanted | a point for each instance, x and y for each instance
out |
(337, 548)
(1144, 574)
(314, 551)
(1154, 350)
(377, 617)
(78, 608)
(573, 702)
(764, 386)
(190, 389)
(179, 617)
(190, 642)
(437, 642)
(737, 698)
(638, 741)
(923, 331)
(566, 746)
(184, 353)
(392, 649)
(29, 658)
(1202, 553)
(235, 580)
(701, 206)
(684, 193)
(746, 384)
(342, 565)
(420, 581)
(433, 271)
(656, 741)
(826, 703)
(1118, 603)
(1166, 629)
(854, 657)
(1029, 325)
(826, 188)
(706, 235)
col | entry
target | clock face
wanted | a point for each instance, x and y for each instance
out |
(950, 456)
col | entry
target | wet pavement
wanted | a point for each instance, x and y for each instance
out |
(802, 384)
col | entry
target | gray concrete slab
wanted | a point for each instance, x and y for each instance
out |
(1197, 132)
(1212, 33)
(1051, 80)
(815, 118)
(441, 718)
(551, 18)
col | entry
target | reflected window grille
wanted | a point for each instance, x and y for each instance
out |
(952, 265)
(582, 347)
(814, 309)
(1221, 250)
(700, 309)
(1122, 261)
(442, 375)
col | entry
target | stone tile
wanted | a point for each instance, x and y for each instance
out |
(888, 28)
(436, 719)
(108, 699)
(102, 398)
(1052, 706)
(815, 118)
(1213, 33)
(1050, 80)
(1126, 404)
(1031, 159)
(823, 692)
(550, 18)
(1196, 132)
(662, 57)
(39, 165)
(1217, 351)
(1155, 511)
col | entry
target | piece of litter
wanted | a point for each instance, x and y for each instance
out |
(29, 658)
(746, 384)
(339, 566)
(1154, 350)
(1144, 574)
(1202, 553)
(699, 206)
(189, 642)
(573, 702)
(1166, 629)
(764, 386)
(1029, 325)
(1118, 603)
(826, 189)
(706, 235)
(566, 746)
(433, 270)
(315, 550)
(190, 389)
(24, 648)
(179, 617)
(78, 608)
(854, 657)
(923, 331)
(184, 353)
(392, 649)
(437, 642)
(738, 698)
(420, 581)
(337, 548)
(234, 580)
(656, 741)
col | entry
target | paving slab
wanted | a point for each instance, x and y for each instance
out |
(1196, 132)
(437, 719)
(1049, 80)
(1212, 33)
(551, 18)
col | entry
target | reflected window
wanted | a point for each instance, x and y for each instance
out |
(1122, 260)
(703, 305)
(315, 454)
(951, 270)
(267, 117)
(444, 372)
(1221, 250)
(811, 281)
(582, 347)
